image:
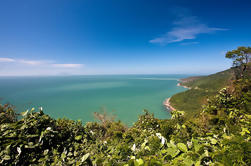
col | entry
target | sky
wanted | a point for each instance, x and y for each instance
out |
(86, 37)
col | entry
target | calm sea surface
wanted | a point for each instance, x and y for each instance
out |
(78, 97)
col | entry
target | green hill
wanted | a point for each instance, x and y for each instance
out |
(201, 88)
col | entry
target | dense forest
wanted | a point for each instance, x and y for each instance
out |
(200, 89)
(203, 87)
(217, 134)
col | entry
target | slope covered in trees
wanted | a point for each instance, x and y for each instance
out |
(203, 87)
(200, 88)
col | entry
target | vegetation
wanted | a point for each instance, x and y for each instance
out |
(201, 88)
(241, 57)
(204, 87)
(218, 135)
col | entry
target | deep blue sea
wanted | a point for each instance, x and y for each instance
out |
(78, 97)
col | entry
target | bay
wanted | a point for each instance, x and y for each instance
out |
(78, 97)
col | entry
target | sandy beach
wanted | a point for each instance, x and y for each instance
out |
(168, 105)
(183, 86)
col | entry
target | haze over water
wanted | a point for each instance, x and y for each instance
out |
(78, 97)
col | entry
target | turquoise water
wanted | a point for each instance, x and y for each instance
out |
(78, 97)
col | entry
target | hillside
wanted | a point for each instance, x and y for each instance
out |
(201, 88)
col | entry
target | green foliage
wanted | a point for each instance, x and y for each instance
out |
(212, 83)
(241, 57)
(7, 114)
(218, 135)
(204, 87)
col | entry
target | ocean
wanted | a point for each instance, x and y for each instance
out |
(78, 97)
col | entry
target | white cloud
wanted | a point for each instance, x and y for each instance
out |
(31, 62)
(47, 63)
(22, 61)
(186, 28)
(6, 60)
(20, 67)
(67, 65)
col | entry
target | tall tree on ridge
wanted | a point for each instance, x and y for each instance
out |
(241, 57)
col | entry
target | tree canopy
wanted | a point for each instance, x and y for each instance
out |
(241, 57)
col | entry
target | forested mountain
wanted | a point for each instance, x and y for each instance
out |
(203, 87)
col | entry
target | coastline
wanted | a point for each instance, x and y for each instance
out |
(167, 102)
(179, 84)
(168, 105)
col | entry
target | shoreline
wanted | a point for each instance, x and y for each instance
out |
(183, 86)
(168, 105)
(167, 102)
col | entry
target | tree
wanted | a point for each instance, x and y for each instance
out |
(241, 57)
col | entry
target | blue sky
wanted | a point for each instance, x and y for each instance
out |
(65, 37)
